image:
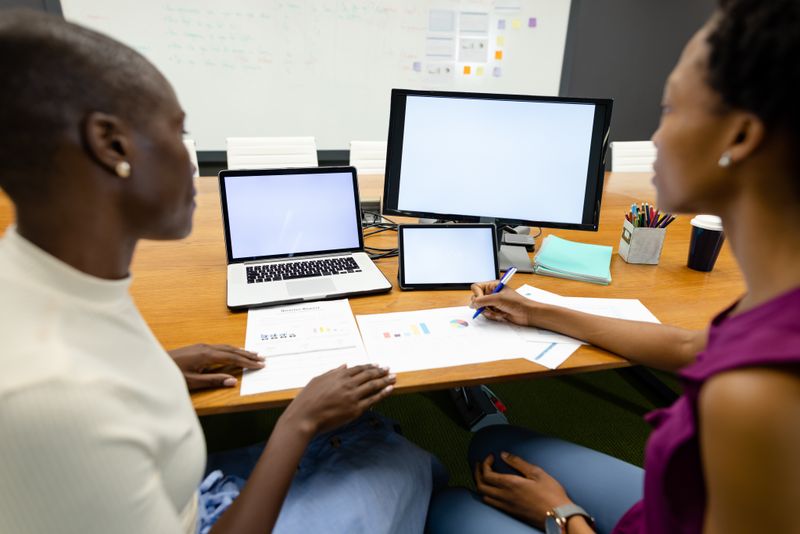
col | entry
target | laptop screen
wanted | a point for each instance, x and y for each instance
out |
(290, 212)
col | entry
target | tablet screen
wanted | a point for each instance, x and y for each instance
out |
(447, 255)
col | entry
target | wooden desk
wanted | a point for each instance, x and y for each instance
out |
(180, 290)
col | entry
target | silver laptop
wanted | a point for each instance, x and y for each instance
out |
(294, 235)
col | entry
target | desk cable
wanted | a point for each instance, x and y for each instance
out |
(378, 225)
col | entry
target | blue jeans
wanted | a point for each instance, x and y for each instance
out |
(362, 477)
(604, 486)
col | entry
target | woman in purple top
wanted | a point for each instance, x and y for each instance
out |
(725, 458)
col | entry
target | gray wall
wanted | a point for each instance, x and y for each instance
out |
(54, 6)
(624, 49)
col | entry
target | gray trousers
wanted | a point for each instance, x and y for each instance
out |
(604, 486)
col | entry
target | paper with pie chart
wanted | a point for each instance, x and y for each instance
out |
(440, 337)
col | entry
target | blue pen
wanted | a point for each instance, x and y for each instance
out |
(503, 281)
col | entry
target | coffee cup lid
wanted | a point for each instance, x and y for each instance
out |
(707, 222)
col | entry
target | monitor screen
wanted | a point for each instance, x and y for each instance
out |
(286, 212)
(515, 159)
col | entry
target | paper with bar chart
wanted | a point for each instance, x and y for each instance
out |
(441, 337)
(300, 341)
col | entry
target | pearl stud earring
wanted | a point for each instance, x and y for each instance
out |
(123, 169)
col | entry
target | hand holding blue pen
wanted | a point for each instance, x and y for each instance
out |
(503, 281)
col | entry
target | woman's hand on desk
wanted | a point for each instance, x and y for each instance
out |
(656, 345)
(507, 305)
(204, 366)
(338, 397)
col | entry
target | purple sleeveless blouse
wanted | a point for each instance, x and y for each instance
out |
(674, 489)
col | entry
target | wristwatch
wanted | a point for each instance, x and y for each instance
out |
(556, 520)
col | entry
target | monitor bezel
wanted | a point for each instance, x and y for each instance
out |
(595, 172)
(228, 173)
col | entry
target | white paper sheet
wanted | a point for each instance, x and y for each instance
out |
(300, 341)
(553, 354)
(440, 20)
(473, 22)
(473, 50)
(631, 309)
(441, 337)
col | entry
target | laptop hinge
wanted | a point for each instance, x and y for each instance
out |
(301, 258)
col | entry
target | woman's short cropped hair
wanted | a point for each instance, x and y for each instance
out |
(754, 63)
(54, 73)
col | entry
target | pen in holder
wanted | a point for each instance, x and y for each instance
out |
(641, 245)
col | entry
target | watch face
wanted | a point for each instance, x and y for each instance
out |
(551, 525)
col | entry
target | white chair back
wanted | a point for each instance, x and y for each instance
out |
(632, 156)
(271, 152)
(368, 157)
(191, 148)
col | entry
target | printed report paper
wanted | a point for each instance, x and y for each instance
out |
(299, 342)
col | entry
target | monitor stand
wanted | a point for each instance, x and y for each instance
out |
(510, 255)
(514, 256)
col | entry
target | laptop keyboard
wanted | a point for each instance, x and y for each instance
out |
(271, 272)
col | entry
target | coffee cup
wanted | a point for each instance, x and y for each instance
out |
(706, 242)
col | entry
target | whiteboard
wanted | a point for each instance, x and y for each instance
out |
(325, 68)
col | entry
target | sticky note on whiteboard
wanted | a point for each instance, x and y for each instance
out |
(516, 24)
(417, 66)
(501, 40)
(479, 71)
(467, 70)
(532, 22)
(498, 54)
(501, 24)
(497, 72)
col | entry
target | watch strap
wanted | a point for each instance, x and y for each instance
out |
(561, 514)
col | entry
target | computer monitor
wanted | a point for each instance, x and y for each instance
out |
(513, 159)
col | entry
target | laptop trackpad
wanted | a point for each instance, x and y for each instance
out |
(320, 286)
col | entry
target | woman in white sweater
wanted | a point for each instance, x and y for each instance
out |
(97, 431)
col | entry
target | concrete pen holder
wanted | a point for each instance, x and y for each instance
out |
(641, 244)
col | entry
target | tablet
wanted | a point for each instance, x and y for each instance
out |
(446, 256)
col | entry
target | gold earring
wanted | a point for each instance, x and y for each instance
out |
(123, 169)
(725, 160)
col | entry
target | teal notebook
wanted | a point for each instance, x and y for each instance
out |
(575, 261)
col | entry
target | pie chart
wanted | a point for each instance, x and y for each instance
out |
(459, 323)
